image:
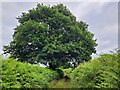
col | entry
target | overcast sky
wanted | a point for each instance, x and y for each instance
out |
(102, 18)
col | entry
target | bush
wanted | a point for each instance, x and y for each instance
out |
(60, 72)
(23, 75)
(99, 73)
(67, 72)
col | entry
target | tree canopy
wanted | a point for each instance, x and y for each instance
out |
(52, 36)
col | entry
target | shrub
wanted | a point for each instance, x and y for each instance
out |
(67, 72)
(23, 75)
(60, 72)
(99, 73)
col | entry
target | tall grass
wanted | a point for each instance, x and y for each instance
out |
(23, 75)
(101, 72)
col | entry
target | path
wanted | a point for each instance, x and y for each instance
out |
(62, 83)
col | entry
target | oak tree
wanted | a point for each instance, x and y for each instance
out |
(51, 35)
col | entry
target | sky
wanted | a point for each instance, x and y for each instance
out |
(102, 18)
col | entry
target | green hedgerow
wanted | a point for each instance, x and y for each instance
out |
(99, 73)
(23, 75)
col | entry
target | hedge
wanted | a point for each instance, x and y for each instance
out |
(24, 75)
(101, 72)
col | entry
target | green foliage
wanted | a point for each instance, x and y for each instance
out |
(60, 72)
(23, 75)
(99, 73)
(1, 71)
(67, 72)
(51, 36)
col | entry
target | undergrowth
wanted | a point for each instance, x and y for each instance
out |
(101, 72)
(23, 75)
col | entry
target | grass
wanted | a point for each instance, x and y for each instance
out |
(60, 83)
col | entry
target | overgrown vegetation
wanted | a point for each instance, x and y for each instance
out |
(62, 83)
(52, 36)
(23, 75)
(101, 72)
